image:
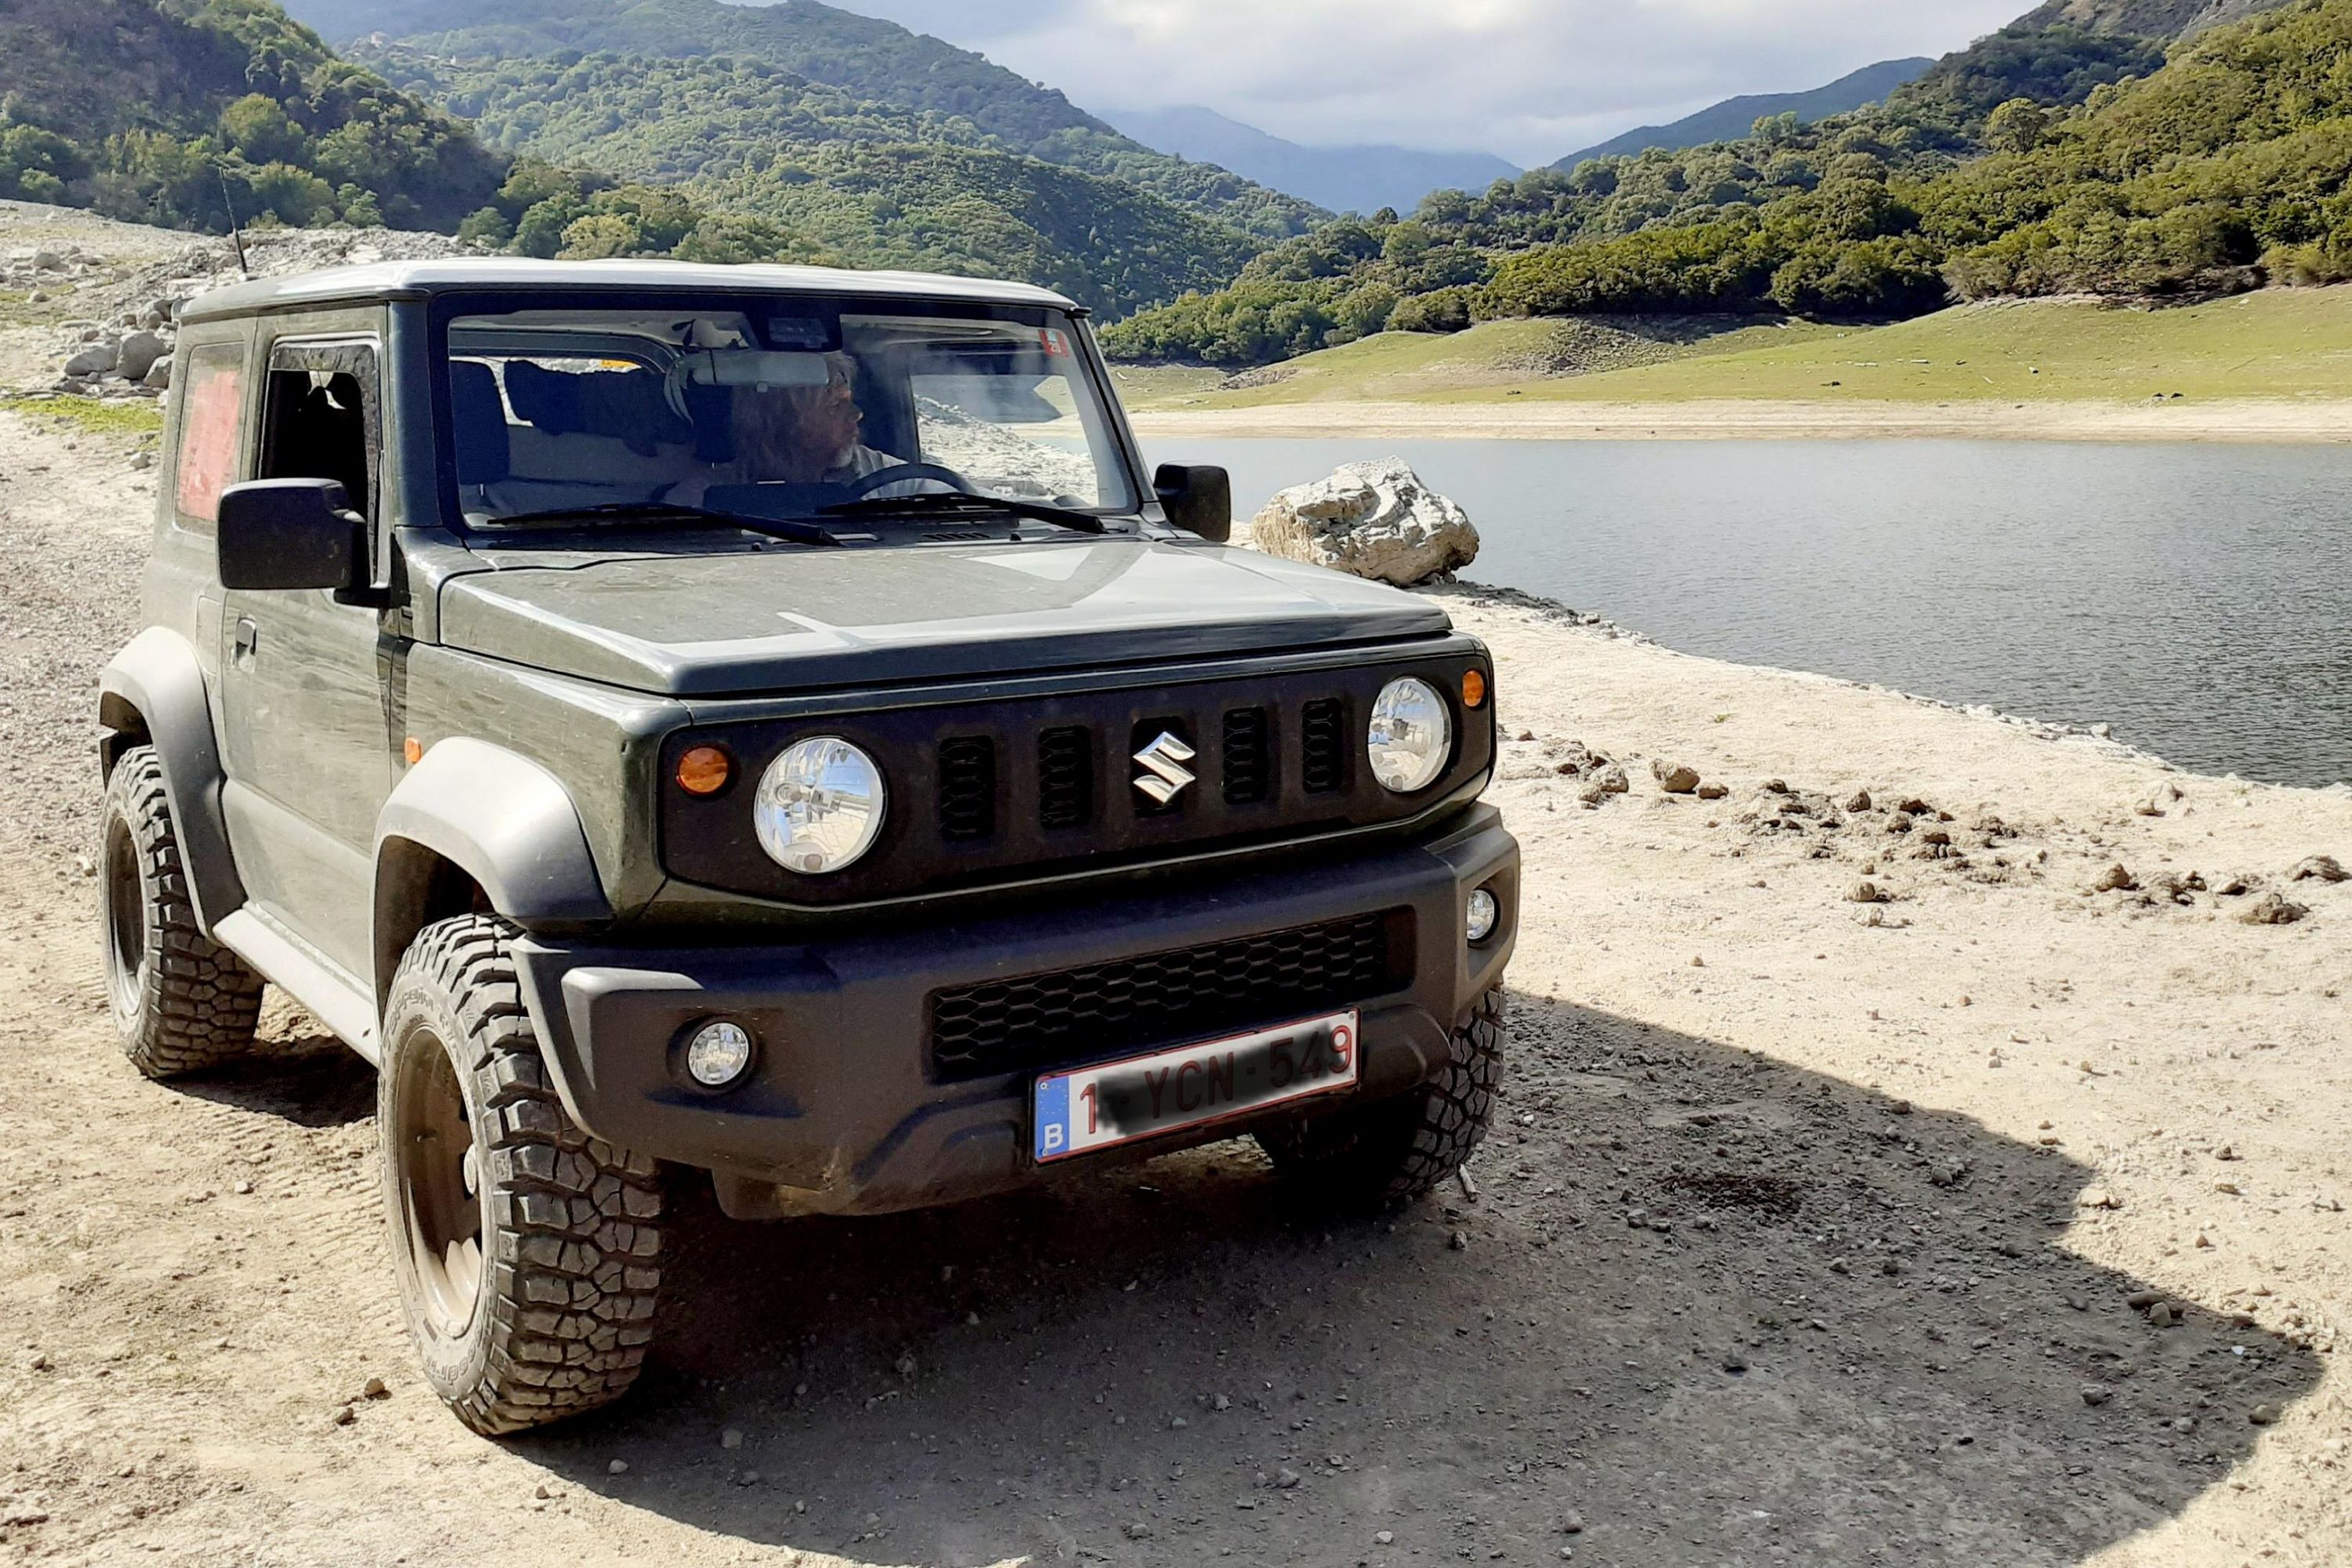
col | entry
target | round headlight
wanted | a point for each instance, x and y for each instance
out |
(718, 1054)
(819, 805)
(1410, 736)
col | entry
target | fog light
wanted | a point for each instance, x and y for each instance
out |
(1484, 915)
(718, 1054)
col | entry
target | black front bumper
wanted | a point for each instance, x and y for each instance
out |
(846, 1111)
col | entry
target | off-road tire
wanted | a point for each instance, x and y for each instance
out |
(181, 1001)
(567, 1260)
(1395, 1151)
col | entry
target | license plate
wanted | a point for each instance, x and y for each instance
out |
(1119, 1102)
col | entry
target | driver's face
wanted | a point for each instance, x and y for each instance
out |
(830, 418)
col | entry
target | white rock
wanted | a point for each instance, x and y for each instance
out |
(1375, 520)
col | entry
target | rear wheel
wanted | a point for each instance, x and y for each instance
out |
(181, 1001)
(528, 1253)
(1394, 1151)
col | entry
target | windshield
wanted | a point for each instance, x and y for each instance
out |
(774, 407)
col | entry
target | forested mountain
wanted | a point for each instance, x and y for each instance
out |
(1734, 116)
(2044, 159)
(1355, 178)
(163, 110)
(962, 98)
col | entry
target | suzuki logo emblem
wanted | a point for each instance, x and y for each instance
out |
(1165, 774)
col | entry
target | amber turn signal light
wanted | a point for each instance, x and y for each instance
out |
(703, 770)
(412, 750)
(1474, 689)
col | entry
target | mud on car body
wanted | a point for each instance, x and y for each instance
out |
(767, 722)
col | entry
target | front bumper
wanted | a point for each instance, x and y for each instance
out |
(844, 1114)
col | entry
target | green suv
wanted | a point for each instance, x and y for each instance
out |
(767, 722)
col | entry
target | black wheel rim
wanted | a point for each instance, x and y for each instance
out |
(127, 945)
(440, 1176)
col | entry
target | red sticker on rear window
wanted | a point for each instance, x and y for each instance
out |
(213, 397)
(1055, 344)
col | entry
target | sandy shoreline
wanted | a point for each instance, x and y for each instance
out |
(1565, 420)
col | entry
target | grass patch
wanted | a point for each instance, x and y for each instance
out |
(2277, 343)
(134, 418)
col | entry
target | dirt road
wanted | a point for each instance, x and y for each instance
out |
(1780, 1256)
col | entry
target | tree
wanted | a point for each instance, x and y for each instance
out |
(2017, 126)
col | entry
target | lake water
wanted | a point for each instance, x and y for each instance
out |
(2198, 598)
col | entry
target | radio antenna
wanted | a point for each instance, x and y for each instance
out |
(235, 229)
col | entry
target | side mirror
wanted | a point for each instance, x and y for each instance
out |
(1197, 499)
(291, 534)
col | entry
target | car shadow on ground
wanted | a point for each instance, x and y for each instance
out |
(300, 1074)
(1703, 1306)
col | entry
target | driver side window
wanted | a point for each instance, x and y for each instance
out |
(321, 421)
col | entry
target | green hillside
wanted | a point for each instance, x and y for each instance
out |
(146, 109)
(959, 97)
(2042, 160)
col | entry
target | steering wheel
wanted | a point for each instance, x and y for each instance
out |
(901, 473)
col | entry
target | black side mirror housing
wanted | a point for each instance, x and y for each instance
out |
(1197, 499)
(291, 534)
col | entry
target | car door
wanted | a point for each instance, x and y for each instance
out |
(307, 738)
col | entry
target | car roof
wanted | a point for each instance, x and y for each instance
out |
(421, 279)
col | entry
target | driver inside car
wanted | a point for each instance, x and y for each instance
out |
(799, 434)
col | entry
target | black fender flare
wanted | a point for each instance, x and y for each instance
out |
(154, 693)
(503, 820)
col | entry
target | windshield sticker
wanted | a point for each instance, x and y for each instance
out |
(208, 430)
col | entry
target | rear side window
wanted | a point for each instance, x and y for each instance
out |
(320, 419)
(211, 397)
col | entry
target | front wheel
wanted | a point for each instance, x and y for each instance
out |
(528, 1253)
(1395, 1151)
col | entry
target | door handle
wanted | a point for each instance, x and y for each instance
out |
(248, 637)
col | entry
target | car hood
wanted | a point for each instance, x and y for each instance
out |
(797, 619)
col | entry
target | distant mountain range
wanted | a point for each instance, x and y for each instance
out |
(1361, 179)
(1733, 117)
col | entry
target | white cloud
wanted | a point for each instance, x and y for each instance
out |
(1532, 79)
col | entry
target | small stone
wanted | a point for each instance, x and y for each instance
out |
(41, 1363)
(1571, 1523)
(543, 1492)
(2095, 1394)
(2270, 910)
(2161, 1316)
(1177, 1424)
(2115, 879)
(1733, 1361)
(1220, 1401)
(906, 1366)
(1901, 1107)
(1858, 801)
(2203, 1240)
(1673, 777)
(1613, 781)
(1286, 1478)
(617, 1468)
(1865, 892)
(1458, 1242)
(1697, 963)
(1139, 1531)
(345, 1416)
(2229, 1187)
(2141, 1301)
(1384, 1538)
(732, 1438)
(374, 1388)
(2263, 1414)
(2323, 868)
(2097, 1198)
(245, 1188)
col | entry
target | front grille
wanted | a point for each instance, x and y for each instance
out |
(1323, 746)
(1248, 761)
(1065, 777)
(967, 788)
(1044, 784)
(1164, 998)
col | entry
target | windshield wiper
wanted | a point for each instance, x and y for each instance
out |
(773, 527)
(939, 501)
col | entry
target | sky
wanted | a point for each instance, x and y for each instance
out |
(1530, 79)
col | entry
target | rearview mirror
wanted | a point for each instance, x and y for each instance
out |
(1197, 497)
(290, 533)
